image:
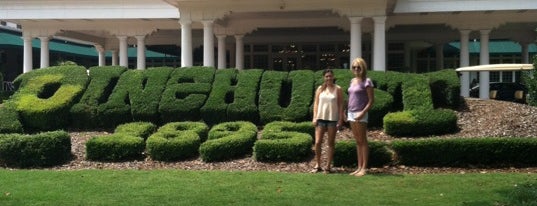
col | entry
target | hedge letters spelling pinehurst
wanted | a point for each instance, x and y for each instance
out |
(69, 97)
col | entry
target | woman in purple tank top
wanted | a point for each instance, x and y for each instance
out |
(361, 98)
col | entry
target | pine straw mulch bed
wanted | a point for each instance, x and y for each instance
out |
(476, 118)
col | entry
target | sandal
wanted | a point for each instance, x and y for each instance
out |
(316, 170)
(328, 171)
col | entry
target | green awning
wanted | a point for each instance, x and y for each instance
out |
(10, 39)
(496, 47)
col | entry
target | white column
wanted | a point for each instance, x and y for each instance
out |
(208, 43)
(114, 58)
(239, 52)
(379, 44)
(123, 57)
(186, 43)
(45, 51)
(28, 63)
(483, 60)
(140, 52)
(102, 57)
(221, 51)
(356, 38)
(465, 61)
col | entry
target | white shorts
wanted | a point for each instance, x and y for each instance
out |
(352, 115)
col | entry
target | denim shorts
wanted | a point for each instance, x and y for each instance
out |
(326, 123)
(352, 115)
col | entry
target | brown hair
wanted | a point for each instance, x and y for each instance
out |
(326, 71)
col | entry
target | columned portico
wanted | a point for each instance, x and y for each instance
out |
(27, 58)
(356, 38)
(186, 43)
(123, 58)
(45, 59)
(101, 54)
(208, 43)
(379, 44)
(114, 58)
(239, 52)
(484, 59)
(221, 51)
(140, 54)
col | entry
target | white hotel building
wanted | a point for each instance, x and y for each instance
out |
(398, 35)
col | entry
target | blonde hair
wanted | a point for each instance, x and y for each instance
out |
(363, 65)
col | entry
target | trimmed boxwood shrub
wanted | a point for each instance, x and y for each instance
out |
(176, 141)
(286, 96)
(185, 93)
(46, 95)
(114, 147)
(285, 126)
(284, 141)
(466, 151)
(199, 128)
(228, 140)
(379, 154)
(137, 129)
(9, 120)
(382, 106)
(244, 105)
(421, 122)
(445, 87)
(136, 96)
(222, 94)
(283, 146)
(103, 80)
(37, 150)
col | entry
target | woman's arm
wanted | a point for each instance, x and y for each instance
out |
(341, 106)
(315, 105)
(371, 97)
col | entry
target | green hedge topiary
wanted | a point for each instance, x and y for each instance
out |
(244, 105)
(176, 141)
(380, 154)
(228, 140)
(136, 97)
(445, 86)
(285, 126)
(103, 80)
(46, 96)
(222, 94)
(284, 141)
(420, 122)
(115, 147)
(137, 129)
(466, 151)
(185, 93)
(286, 96)
(282, 146)
(9, 120)
(37, 150)
(530, 80)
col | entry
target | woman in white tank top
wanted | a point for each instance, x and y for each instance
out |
(327, 116)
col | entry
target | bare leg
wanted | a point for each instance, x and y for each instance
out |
(331, 144)
(359, 131)
(362, 148)
(319, 133)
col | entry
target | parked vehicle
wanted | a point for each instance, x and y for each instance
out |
(505, 91)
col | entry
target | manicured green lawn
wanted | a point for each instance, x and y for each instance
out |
(178, 187)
